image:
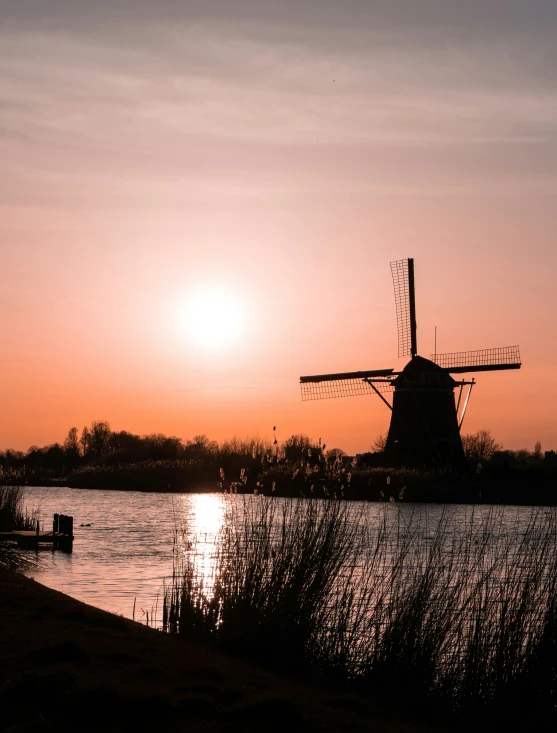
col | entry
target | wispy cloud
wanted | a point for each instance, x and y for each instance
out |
(213, 101)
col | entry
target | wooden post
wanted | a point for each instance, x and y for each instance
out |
(62, 532)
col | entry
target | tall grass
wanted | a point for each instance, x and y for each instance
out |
(460, 617)
(276, 567)
(13, 514)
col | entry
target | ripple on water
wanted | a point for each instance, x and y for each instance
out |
(127, 552)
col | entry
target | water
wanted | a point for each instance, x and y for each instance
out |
(126, 554)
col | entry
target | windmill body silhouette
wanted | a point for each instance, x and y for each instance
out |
(426, 414)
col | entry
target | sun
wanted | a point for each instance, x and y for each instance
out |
(214, 318)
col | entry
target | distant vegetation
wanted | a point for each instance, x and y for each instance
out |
(99, 457)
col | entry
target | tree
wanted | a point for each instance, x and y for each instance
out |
(85, 441)
(158, 446)
(100, 436)
(379, 443)
(538, 451)
(71, 444)
(480, 446)
(13, 458)
(54, 457)
(34, 458)
(125, 442)
(335, 453)
(296, 447)
(200, 447)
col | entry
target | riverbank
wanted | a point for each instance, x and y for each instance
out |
(518, 487)
(67, 666)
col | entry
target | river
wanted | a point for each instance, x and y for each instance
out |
(123, 548)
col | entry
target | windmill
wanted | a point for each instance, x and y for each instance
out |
(426, 415)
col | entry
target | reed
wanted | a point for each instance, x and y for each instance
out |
(15, 516)
(460, 618)
(275, 569)
(13, 513)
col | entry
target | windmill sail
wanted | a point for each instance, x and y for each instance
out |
(483, 360)
(346, 384)
(424, 431)
(405, 301)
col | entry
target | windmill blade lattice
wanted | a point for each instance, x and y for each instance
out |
(403, 282)
(426, 418)
(332, 388)
(483, 360)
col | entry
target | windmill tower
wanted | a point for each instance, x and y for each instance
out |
(426, 416)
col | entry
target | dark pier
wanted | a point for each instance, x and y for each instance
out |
(60, 536)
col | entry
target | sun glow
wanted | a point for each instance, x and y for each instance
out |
(205, 515)
(214, 319)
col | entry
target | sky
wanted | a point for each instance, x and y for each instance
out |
(200, 200)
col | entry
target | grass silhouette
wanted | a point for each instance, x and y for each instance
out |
(460, 620)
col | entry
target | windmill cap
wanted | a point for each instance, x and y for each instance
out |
(424, 371)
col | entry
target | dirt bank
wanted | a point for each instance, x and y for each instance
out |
(66, 666)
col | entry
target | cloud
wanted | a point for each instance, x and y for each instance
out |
(199, 96)
(503, 14)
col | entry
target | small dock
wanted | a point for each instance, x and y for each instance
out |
(60, 536)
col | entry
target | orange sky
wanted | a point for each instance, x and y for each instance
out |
(282, 156)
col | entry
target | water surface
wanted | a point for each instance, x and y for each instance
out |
(124, 557)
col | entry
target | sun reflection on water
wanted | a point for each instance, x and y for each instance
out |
(204, 519)
(207, 514)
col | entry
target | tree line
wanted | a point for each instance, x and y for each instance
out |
(98, 445)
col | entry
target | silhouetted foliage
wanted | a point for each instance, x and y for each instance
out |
(479, 446)
(299, 466)
(463, 622)
(13, 514)
(85, 441)
(378, 445)
(71, 444)
(334, 453)
(99, 437)
(200, 447)
(296, 447)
